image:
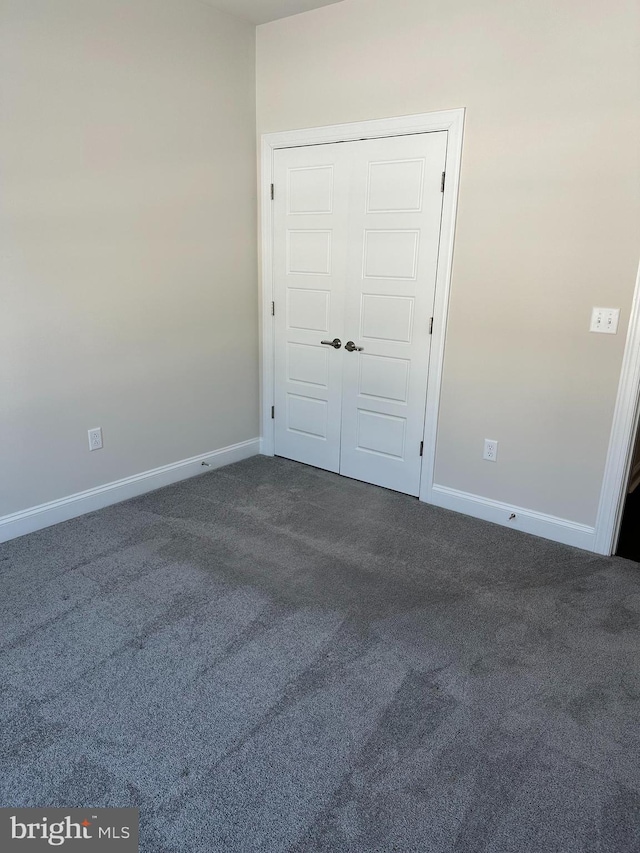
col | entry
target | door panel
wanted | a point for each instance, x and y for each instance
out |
(310, 240)
(385, 318)
(394, 228)
(390, 254)
(383, 378)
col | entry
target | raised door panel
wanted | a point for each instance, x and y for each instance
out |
(390, 254)
(383, 435)
(385, 318)
(384, 379)
(307, 365)
(307, 310)
(310, 189)
(308, 252)
(395, 186)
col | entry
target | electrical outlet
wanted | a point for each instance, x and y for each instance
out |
(490, 450)
(95, 438)
(605, 320)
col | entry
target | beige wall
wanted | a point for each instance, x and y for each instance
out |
(128, 285)
(548, 219)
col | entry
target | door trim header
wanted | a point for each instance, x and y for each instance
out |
(451, 121)
(399, 126)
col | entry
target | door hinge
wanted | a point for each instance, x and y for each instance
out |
(273, 194)
(441, 184)
(273, 309)
(431, 326)
(273, 412)
(421, 448)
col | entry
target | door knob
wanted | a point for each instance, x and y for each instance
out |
(336, 343)
(351, 347)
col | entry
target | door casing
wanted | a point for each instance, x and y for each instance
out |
(451, 121)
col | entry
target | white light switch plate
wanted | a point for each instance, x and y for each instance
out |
(605, 320)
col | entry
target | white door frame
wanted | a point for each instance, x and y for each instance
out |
(623, 432)
(451, 121)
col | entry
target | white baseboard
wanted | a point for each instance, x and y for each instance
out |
(526, 520)
(37, 517)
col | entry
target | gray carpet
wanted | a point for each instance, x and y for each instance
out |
(273, 658)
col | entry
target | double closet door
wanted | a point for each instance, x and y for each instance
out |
(356, 232)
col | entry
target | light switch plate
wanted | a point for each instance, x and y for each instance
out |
(605, 320)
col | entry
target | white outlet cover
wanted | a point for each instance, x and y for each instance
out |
(490, 450)
(605, 320)
(95, 438)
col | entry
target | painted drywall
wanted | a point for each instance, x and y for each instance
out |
(260, 11)
(548, 220)
(128, 282)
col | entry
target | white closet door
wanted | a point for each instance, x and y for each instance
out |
(394, 229)
(310, 254)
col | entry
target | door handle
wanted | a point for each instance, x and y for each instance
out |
(336, 343)
(351, 347)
